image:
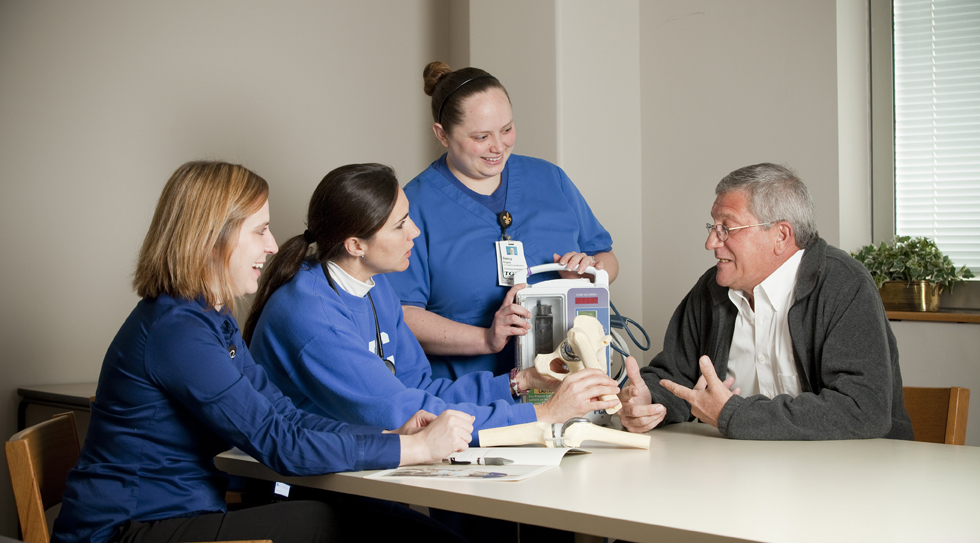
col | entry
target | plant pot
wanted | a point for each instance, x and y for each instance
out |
(910, 295)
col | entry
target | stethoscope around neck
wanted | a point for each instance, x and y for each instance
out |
(378, 348)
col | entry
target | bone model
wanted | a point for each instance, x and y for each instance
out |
(587, 342)
(570, 434)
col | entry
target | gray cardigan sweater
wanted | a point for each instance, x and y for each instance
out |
(845, 354)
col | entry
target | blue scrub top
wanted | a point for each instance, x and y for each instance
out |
(453, 267)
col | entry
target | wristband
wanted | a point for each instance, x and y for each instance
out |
(515, 389)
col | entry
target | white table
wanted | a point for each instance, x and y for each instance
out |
(694, 485)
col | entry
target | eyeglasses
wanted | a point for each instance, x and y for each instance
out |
(723, 230)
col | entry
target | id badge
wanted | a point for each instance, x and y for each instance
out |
(511, 266)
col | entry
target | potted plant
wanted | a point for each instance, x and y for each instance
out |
(911, 273)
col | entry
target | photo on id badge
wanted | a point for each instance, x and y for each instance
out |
(511, 266)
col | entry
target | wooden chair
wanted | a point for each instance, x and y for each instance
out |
(39, 458)
(938, 414)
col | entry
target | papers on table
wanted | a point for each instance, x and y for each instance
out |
(524, 456)
(487, 464)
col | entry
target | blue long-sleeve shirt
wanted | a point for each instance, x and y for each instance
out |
(318, 346)
(177, 387)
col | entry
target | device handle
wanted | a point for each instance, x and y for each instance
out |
(601, 276)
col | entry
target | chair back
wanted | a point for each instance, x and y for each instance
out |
(938, 414)
(39, 459)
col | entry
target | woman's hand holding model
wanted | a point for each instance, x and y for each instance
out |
(577, 395)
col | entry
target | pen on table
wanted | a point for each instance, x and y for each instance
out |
(491, 461)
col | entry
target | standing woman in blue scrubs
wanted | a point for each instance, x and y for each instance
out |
(450, 293)
(178, 387)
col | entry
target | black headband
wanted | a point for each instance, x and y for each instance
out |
(443, 104)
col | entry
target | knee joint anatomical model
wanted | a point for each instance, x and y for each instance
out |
(584, 347)
(571, 434)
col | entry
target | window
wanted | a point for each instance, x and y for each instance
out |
(936, 139)
(937, 124)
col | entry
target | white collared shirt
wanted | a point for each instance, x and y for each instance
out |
(347, 281)
(761, 357)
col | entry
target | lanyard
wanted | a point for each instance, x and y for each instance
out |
(378, 348)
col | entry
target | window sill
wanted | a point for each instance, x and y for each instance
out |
(944, 315)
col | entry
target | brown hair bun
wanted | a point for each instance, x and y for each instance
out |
(432, 74)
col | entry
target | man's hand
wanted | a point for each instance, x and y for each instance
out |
(639, 414)
(709, 394)
(510, 320)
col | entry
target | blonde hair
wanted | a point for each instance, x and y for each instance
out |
(194, 231)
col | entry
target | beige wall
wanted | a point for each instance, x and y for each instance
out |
(599, 138)
(100, 102)
(725, 85)
(515, 40)
(572, 71)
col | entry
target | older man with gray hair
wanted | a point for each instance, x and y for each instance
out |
(784, 338)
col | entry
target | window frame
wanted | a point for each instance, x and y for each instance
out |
(965, 295)
(882, 122)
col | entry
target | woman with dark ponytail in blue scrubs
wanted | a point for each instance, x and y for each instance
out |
(328, 329)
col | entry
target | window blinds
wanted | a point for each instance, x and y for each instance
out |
(937, 124)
